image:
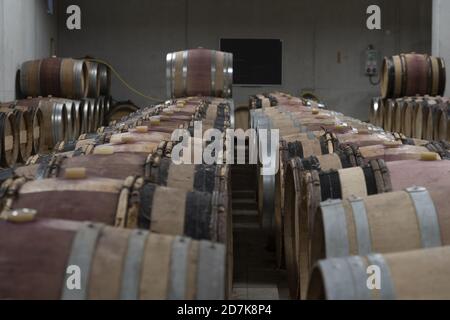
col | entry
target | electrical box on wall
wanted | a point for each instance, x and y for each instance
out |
(371, 66)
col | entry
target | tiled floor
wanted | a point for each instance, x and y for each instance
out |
(255, 274)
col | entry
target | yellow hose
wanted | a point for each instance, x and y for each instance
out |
(124, 82)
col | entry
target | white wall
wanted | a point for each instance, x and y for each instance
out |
(441, 34)
(136, 35)
(25, 33)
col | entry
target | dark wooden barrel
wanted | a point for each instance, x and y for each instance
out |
(104, 75)
(410, 275)
(59, 77)
(412, 74)
(139, 264)
(199, 72)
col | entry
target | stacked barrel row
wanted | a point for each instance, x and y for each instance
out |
(349, 195)
(158, 230)
(418, 117)
(412, 102)
(33, 126)
(65, 78)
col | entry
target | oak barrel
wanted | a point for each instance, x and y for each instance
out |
(390, 222)
(127, 203)
(199, 72)
(410, 275)
(60, 77)
(32, 108)
(120, 110)
(412, 74)
(9, 138)
(377, 177)
(139, 264)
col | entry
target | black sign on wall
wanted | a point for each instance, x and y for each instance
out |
(255, 61)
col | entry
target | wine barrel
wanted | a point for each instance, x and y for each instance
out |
(9, 138)
(377, 111)
(22, 131)
(396, 115)
(420, 119)
(344, 157)
(199, 72)
(303, 194)
(93, 79)
(126, 203)
(438, 121)
(261, 101)
(30, 84)
(442, 148)
(25, 124)
(119, 110)
(407, 118)
(32, 108)
(389, 115)
(103, 106)
(155, 169)
(393, 153)
(95, 106)
(54, 129)
(410, 275)
(60, 77)
(104, 75)
(377, 177)
(412, 74)
(361, 226)
(86, 120)
(72, 125)
(116, 263)
(128, 146)
(107, 106)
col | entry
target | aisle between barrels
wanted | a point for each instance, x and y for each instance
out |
(256, 276)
